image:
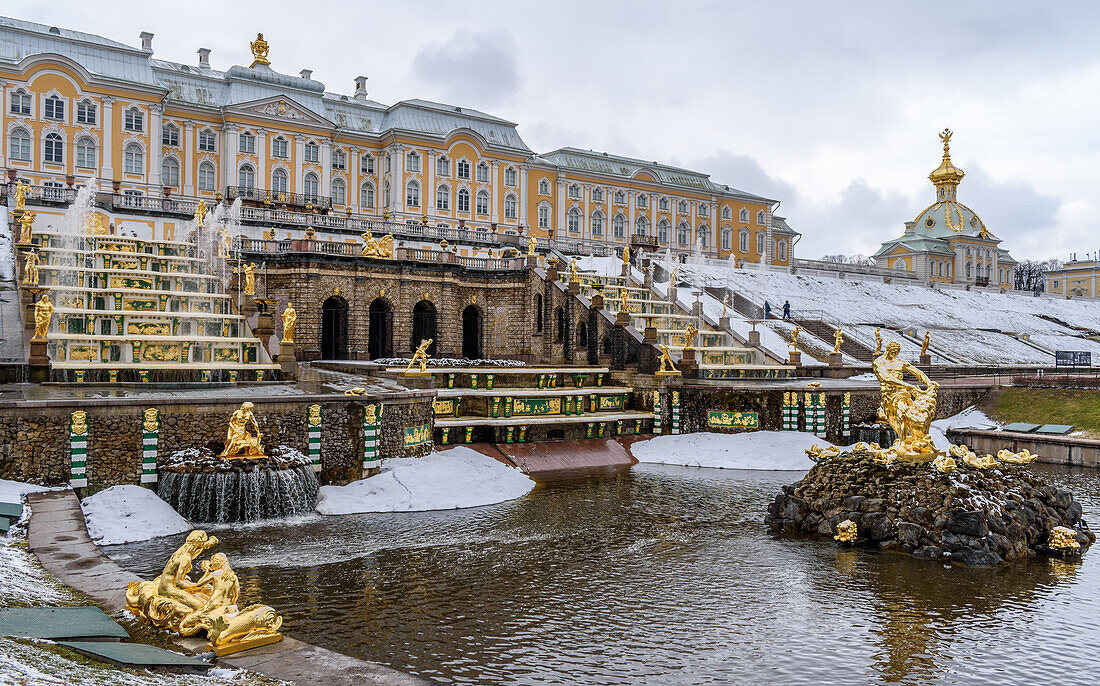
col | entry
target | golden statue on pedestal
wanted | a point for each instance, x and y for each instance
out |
(249, 269)
(290, 320)
(725, 304)
(200, 213)
(667, 367)
(259, 51)
(689, 336)
(908, 409)
(30, 269)
(531, 242)
(794, 338)
(838, 338)
(43, 312)
(382, 248)
(26, 222)
(173, 602)
(573, 271)
(878, 341)
(238, 441)
(419, 358)
(20, 196)
(624, 303)
(925, 343)
(626, 255)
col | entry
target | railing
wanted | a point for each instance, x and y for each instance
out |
(44, 193)
(641, 240)
(145, 203)
(309, 245)
(269, 197)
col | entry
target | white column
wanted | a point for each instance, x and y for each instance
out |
(354, 180)
(429, 191)
(107, 150)
(326, 167)
(769, 249)
(692, 214)
(155, 112)
(523, 195)
(561, 232)
(230, 144)
(299, 155)
(495, 184)
(3, 108)
(631, 209)
(262, 182)
(397, 181)
(189, 158)
(586, 219)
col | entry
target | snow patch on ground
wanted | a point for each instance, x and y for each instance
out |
(970, 418)
(122, 514)
(13, 491)
(758, 450)
(23, 581)
(455, 478)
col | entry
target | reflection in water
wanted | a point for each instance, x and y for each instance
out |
(661, 575)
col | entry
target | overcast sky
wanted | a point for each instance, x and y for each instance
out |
(831, 107)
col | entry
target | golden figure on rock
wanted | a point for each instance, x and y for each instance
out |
(30, 269)
(624, 303)
(290, 320)
(26, 223)
(420, 358)
(846, 532)
(907, 408)
(43, 312)
(249, 269)
(381, 248)
(238, 441)
(173, 602)
(838, 338)
(667, 367)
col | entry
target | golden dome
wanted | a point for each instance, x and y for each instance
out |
(947, 173)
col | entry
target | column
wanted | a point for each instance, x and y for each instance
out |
(495, 196)
(354, 179)
(560, 219)
(631, 210)
(230, 144)
(692, 221)
(523, 195)
(397, 181)
(769, 248)
(429, 191)
(586, 218)
(107, 150)
(299, 155)
(155, 112)
(189, 158)
(262, 182)
(3, 108)
(326, 167)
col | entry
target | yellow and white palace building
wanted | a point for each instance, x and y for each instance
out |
(77, 106)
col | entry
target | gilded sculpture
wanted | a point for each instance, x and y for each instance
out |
(624, 302)
(626, 255)
(238, 441)
(290, 320)
(150, 421)
(200, 213)
(26, 223)
(30, 269)
(43, 312)
(907, 408)
(878, 340)
(249, 269)
(846, 532)
(924, 344)
(573, 271)
(689, 336)
(20, 196)
(531, 246)
(838, 340)
(94, 225)
(667, 367)
(794, 338)
(381, 248)
(174, 602)
(725, 304)
(1063, 538)
(420, 358)
(259, 50)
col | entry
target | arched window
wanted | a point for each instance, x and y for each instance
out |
(134, 120)
(482, 202)
(313, 152)
(544, 187)
(702, 210)
(618, 225)
(967, 270)
(169, 135)
(443, 197)
(54, 151)
(206, 177)
(727, 239)
(682, 206)
(280, 148)
(311, 187)
(760, 242)
(781, 250)
(19, 144)
(85, 112)
(279, 183)
(85, 152)
(510, 206)
(662, 230)
(597, 195)
(366, 195)
(442, 166)
(559, 334)
(544, 217)
(366, 163)
(643, 200)
(246, 176)
(412, 194)
(170, 172)
(726, 214)
(386, 193)
(538, 312)
(482, 172)
(412, 160)
(620, 198)
(463, 200)
(743, 245)
(574, 191)
(55, 108)
(573, 220)
(20, 102)
(339, 192)
(463, 169)
(682, 233)
(597, 223)
(760, 217)
(744, 215)
(641, 226)
(662, 204)
(135, 159)
(510, 176)
(207, 140)
(246, 143)
(704, 235)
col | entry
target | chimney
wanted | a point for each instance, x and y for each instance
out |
(360, 88)
(910, 227)
(306, 73)
(146, 42)
(204, 58)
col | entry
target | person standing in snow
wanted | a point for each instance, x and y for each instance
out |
(787, 310)
(767, 310)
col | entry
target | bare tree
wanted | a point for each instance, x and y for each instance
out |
(839, 259)
(1030, 274)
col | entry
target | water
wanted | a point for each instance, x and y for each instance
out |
(665, 575)
(239, 495)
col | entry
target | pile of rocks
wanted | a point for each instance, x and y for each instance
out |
(972, 517)
(203, 459)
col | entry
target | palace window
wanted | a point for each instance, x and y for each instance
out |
(744, 215)
(544, 187)
(597, 224)
(662, 230)
(313, 152)
(682, 233)
(134, 159)
(643, 200)
(575, 192)
(366, 163)
(389, 163)
(760, 242)
(85, 112)
(703, 209)
(55, 108)
(597, 195)
(463, 200)
(20, 103)
(206, 177)
(311, 187)
(510, 176)
(618, 226)
(760, 217)
(339, 160)
(743, 244)
(246, 176)
(413, 162)
(620, 198)
(19, 145)
(247, 143)
(544, 217)
(662, 204)
(412, 194)
(170, 172)
(443, 197)
(727, 239)
(704, 236)
(280, 148)
(85, 152)
(207, 140)
(279, 182)
(134, 120)
(463, 169)
(169, 135)
(781, 250)
(386, 191)
(573, 220)
(641, 226)
(726, 214)
(339, 192)
(482, 202)
(509, 206)
(482, 173)
(442, 166)
(366, 195)
(54, 151)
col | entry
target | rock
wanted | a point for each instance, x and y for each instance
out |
(853, 502)
(973, 557)
(910, 533)
(928, 552)
(969, 524)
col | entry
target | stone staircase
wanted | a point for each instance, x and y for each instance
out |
(849, 347)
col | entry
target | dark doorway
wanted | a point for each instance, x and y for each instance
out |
(380, 334)
(334, 329)
(538, 313)
(471, 333)
(559, 335)
(582, 335)
(423, 325)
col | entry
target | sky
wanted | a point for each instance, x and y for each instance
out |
(833, 108)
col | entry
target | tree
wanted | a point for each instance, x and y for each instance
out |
(1030, 274)
(839, 259)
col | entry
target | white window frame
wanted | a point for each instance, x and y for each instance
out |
(86, 112)
(312, 152)
(133, 159)
(338, 192)
(366, 195)
(83, 160)
(208, 176)
(170, 172)
(208, 141)
(246, 143)
(482, 172)
(463, 204)
(280, 148)
(443, 198)
(53, 148)
(20, 150)
(412, 194)
(133, 120)
(482, 203)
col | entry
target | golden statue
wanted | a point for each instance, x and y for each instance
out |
(26, 221)
(382, 248)
(200, 213)
(667, 367)
(30, 269)
(725, 304)
(173, 602)
(689, 336)
(420, 357)
(672, 279)
(878, 340)
(43, 312)
(794, 338)
(238, 441)
(838, 338)
(20, 196)
(225, 242)
(573, 271)
(259, 51)
(626, 255)
(94, 224)
(924, 344)
(1063, 538)
(624, 303)
(907, 408)
(290, 320)
(249, 269)
(945, 136)
(531, 246)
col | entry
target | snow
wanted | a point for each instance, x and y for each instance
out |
(758, 450)
(122, 514)
(447, 480)
(970, 418)
(13, 491)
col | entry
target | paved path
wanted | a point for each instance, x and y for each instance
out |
(57, 535)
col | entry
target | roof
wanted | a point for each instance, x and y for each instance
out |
(916, 244)
(780, 225)
(100, 56)
(433, 117)
(80, 36)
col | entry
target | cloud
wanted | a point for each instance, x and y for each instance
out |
(1021, 216)
(474, 68)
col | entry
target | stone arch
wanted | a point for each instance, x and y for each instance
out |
(380, 329)
(472, 332)
(424, 321)
(334, 329)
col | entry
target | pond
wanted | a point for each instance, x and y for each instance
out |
(661, 575)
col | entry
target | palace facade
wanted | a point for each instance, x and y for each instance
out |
(77, 106)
